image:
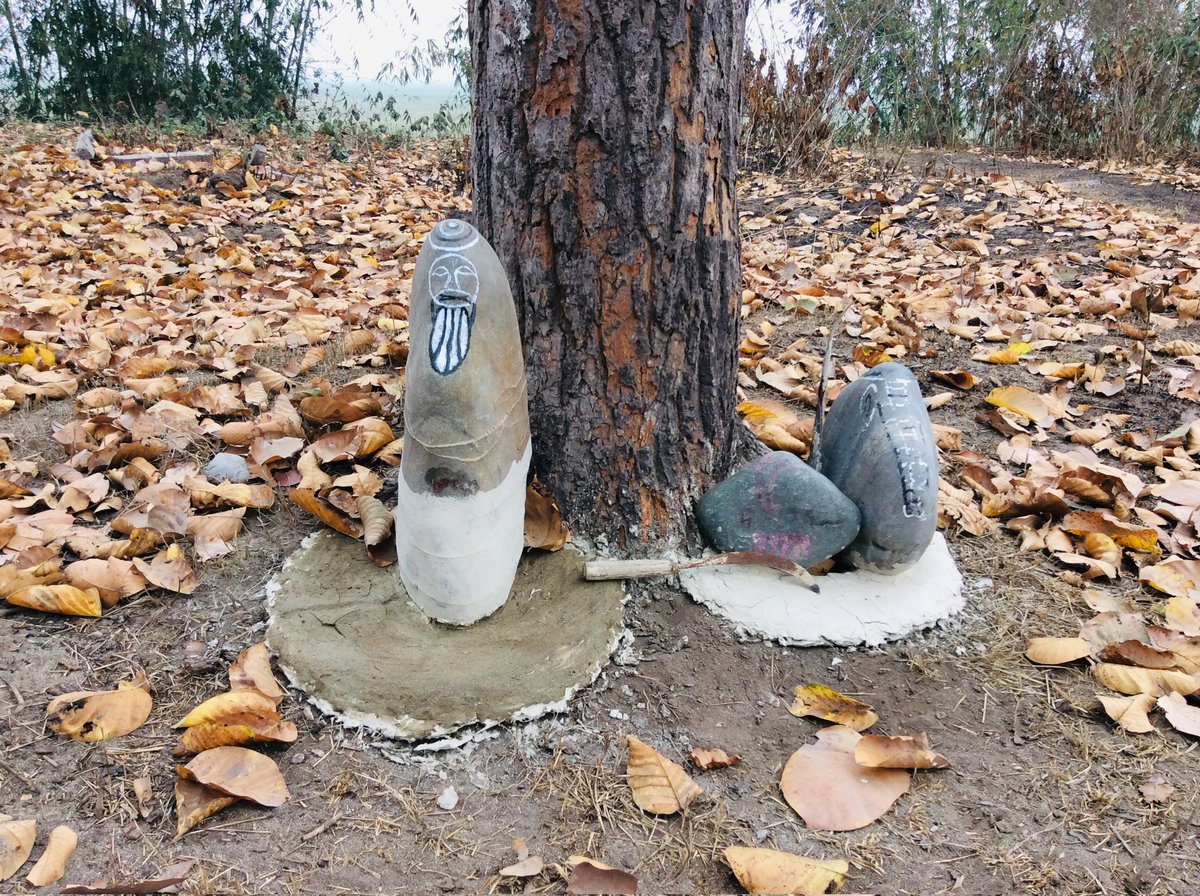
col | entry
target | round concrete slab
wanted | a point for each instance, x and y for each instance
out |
(348, 635)
(856, 607)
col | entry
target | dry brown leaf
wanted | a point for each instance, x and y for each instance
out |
(169, 570)
(772, 871)
(1183, 717)
(363, 482)
(707, 759)
(194, 803)
(53, 862)
(16, 844)
(1131, 713)
(252, 671)
(659, 785)
(1175, 577)
(544, 526)
(65, 599)
(231, 703)
(1056, 651)
(92, 716)
(526, 865)
(377, 520)
(831, 791)
(592, 878)
(313, 478)
(1156, 790)
(339, 522)
(113, 578)
(776, 425)
(904, 751)
(959, 379)
(238, 772)
(1183, 615)
(1135, 680)
(212, 534)
(825, 703)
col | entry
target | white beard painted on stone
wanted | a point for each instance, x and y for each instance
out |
(460, 506)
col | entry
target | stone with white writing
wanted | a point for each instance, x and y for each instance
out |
(878, 449)
(460, 503)
(777, 504)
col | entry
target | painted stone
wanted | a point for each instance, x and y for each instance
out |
(878, 448)
(779, 505)
(460, 503)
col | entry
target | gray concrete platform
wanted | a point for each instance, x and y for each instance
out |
(348, 635)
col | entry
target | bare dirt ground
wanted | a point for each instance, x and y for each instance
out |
(1043, 796)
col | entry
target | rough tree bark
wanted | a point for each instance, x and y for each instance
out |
(604, 168)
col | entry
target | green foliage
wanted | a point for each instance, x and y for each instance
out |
(156, 58)
(1098, 77)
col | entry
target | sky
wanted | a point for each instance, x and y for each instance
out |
(382, 34)
(387, 30)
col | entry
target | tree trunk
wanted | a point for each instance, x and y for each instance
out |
(604, 172)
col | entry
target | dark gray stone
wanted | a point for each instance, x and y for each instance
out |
(878, 448)
(779, 505)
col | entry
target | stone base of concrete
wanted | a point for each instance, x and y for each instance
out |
(853, 608)
(348, 635)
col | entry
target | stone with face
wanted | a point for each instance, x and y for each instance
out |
(878, 448)
(461, 490)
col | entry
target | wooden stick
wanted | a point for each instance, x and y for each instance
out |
(606, 570)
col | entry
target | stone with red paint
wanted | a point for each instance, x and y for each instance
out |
(778, 504)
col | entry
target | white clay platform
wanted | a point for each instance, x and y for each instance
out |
(852, 608)
(348, 635)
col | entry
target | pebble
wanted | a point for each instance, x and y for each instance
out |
(777, 504)
(227, 467)
(878, 449)
(448, 799)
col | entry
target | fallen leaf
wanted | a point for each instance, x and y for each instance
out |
(232, 731)
(1020, 401)
(1183, 615)
(339, 522)
(1133, 680)
(904, 751)
(832, 792)
(16, 843)
(65, 599)
(526, 865)
(772, 871)
(825, 703)
(92, 716)
(231, 703)
(1131, 713)
(544, 526)
(709, 759)
(590, 877)
(252, 671)
(1183, 717)
(169, 570)
(112, 578)
(659, 785)
(195, 802)
(53, 862)
(238, 772)
(1056, 651)
(1156, 790)
(959, 379)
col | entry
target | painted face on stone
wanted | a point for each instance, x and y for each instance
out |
(454, 286)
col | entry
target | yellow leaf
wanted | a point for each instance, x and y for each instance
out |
(1011, 354)
(252, 671)
(1056, 651)
(91, 716)
(1020, 401)
(825, 703)
(771, 871)
(659, 785)
(231, 703)
(65, 599)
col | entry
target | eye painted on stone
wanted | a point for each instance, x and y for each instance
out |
(454, 291)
